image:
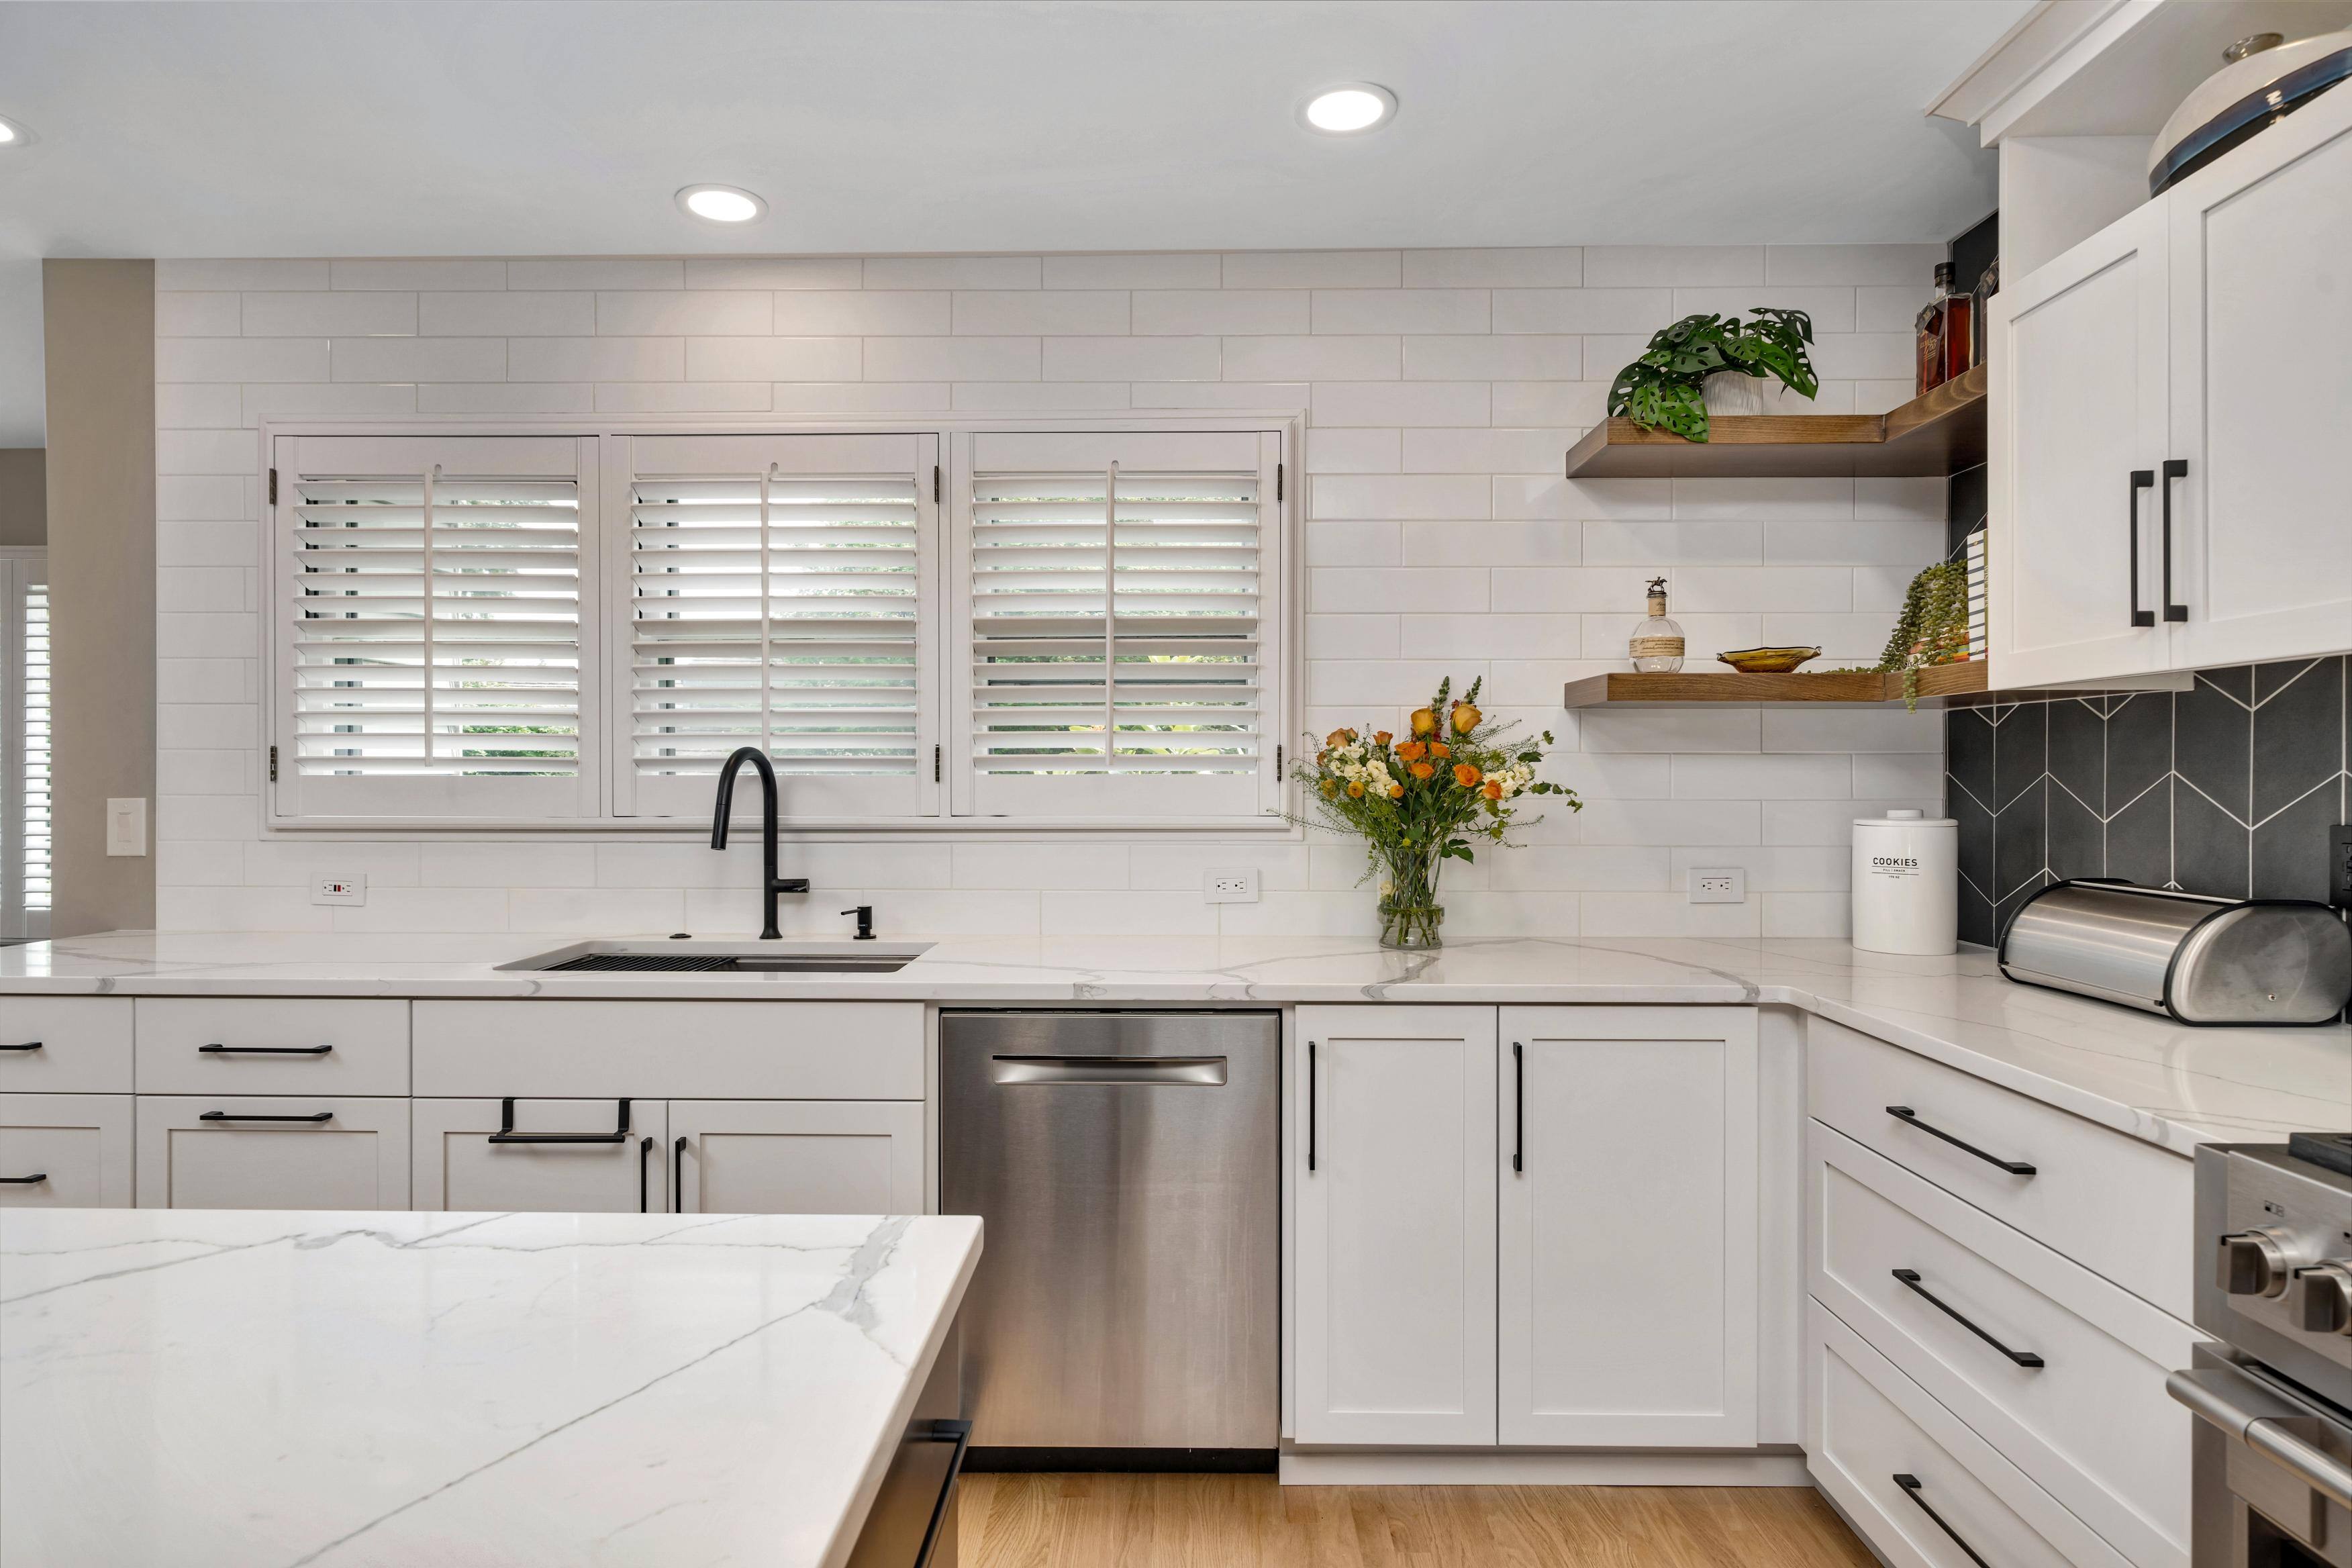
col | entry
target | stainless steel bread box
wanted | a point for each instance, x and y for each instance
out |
(2196, 959)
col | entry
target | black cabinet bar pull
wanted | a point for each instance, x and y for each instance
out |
(2014, 1167)
(2141, 480)
(507, 1134)
(242, 1116)
(1910, 1278)
(36, 1178)
(1518, 1107)
(221, 1050)
(2174, 468)
(959, 1434)
(24, 1046)
(645, 1187)
(1310, 1105)
(678, 1175)
(1911, 1489)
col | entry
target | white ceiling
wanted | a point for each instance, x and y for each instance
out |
(538, 128)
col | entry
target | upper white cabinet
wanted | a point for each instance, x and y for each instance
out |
(2170, 400)
(1628, 1226)
(1393, 1161)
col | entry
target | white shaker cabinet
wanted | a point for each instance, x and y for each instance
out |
(541, 1156)
(2077, 428)
(1628, 1226)
(2262, 395)
(797, 1156)
(65, 1151)
(1393, 1165)
(208, 1153)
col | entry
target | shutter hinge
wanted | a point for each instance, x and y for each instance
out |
(1277, 481)
(273, 764)
(1278, 763)
(935, 484)
(935, 764)
(273, 487)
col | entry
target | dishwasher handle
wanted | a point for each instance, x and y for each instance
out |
(1195, 1072)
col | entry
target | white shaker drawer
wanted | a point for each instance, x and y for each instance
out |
(65, 1045)
(2061, 1370)
(206, 1152)
(65, 1151)
(255, 1046)
(684, 1050)
(1913, 1478)
(2114, 1205)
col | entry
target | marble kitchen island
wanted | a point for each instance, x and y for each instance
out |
(250, 1388)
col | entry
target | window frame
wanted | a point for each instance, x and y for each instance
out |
(604, 682)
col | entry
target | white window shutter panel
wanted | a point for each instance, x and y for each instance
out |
(433, 661)
(1121, 598)
(781, 593)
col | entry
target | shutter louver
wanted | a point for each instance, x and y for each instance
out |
(37, 829)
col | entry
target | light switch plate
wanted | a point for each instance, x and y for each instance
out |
(1235, 885)
(126, 827)
(339, 887)
(1719, 885)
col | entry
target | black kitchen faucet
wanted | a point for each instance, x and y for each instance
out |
(769, 883)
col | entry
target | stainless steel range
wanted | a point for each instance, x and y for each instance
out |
(2274, 1445)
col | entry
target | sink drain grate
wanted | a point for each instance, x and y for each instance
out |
(671, 963)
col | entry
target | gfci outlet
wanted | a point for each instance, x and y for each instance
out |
(1722, 885)
(1232, 886)
(349, 888)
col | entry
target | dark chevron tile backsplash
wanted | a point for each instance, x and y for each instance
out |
(2228, 788)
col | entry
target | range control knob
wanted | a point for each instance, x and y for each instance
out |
(2254, 1263)
(2322, 1298)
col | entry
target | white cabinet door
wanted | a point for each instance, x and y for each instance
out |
(797, 1156)
(1628, 1226)
(1392, 1151)
(196, 1151)
(541, 1156)
(2075, 440)
(65, 1151)
(2262, 395)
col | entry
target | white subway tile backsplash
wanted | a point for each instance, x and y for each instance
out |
(1352, 545)
(1866, 356)
(1498, 545)
(1037, 397)
(1255, 396)
(1488, 636)
(1891, 308)
(505, 397)
(597, 272)
(1521, 358)
(1831, 309)
(288, 400)
(1492, 451)
(772, 272)
(1048, 312)
(653, 313)
(193, 406)
(199, 498)
(685, 397)
(1808, 729)
(1533, 266)
(415, 274)
(1192, 270)
(1400, 497)
(951, 359)
(1377, 310)
(1910, 777)
(1131, 359)
(1796, 542)
(1672, 265)
(1429, 403)
(953, 272)
(206, 452)
(1909, 263)
(176, 274)
(241, 358)
(1343, 589)
(1352, 452)
(1763, 776)
(1579, 405)
(1763, 498)
(1581, 311)
(418, 359)
(771, 359)
(1609, 542)
(329, 315)
(507, 866)
(506, 313)
(834, 312)
(1351, 637)
(1219, 312)
(859, 397)
(195, 315)
(1726, 589)
(1311, 358)
(1312, 270)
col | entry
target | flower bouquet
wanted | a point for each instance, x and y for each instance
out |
(1419, 802)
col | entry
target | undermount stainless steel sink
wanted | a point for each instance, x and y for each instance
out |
(688, 956)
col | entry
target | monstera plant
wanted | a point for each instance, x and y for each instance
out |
(1665, 388)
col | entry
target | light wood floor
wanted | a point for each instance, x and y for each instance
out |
(1248, 1521)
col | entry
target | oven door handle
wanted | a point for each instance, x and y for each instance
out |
(2256, 1417)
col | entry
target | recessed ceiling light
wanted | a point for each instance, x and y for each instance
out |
(721, 204)
(15, 135)
(1348, 108)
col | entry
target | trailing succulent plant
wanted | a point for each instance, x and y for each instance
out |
(1933, 628)
(1664, 388)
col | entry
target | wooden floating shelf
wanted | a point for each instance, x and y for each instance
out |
(1939, 685)
(1940, 433)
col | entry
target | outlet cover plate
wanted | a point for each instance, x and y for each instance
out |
(339, 887)
(1232, 886)
(1719, 885)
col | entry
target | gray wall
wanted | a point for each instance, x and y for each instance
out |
(23, 501)
(100, 335)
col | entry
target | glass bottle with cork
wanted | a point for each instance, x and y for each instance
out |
(1945, 339)
(1656, 646)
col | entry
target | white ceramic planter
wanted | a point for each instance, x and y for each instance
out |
(1730, 392)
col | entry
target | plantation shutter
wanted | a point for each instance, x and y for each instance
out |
(1118, 592)
(782, 594)
(24, 751)
(432, 652)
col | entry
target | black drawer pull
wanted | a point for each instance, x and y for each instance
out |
(2014, 1167)
(2174, 468)
(643, 1188)
(1518, 1107)
(221, 1050)
(678, 1175)
(507, 1134)
(1310, 1105)
(1910, 1278)
(1911, 1489)
(242, 1116)
(2141, 480)
(25, 1046)
(959, 1434)
(35, 1180)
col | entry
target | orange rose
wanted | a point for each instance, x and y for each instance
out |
(1424, 721)
(1412, 751)
(1339, 737)
(1440, 749)
(1322, 757)
(1466, 774)
(1396, 792)
(1330, 787)
(1356, 790)
(1465, 717)
(1380, 737)
(1422, 771)
(1494, 790)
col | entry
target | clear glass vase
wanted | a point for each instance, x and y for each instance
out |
(1410, 912)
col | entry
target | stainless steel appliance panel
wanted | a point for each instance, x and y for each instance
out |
(2272, 1469)
(1127, 1166)
(2198, 958)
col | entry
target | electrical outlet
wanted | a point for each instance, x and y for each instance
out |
(1719, 885)
(2339, 865)
(1238, 887)
(126, 826)
(348, 887)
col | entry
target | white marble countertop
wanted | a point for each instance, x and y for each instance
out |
(251, 1388)
(2172, 1085)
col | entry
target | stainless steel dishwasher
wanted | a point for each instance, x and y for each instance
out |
(1127, 1166)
